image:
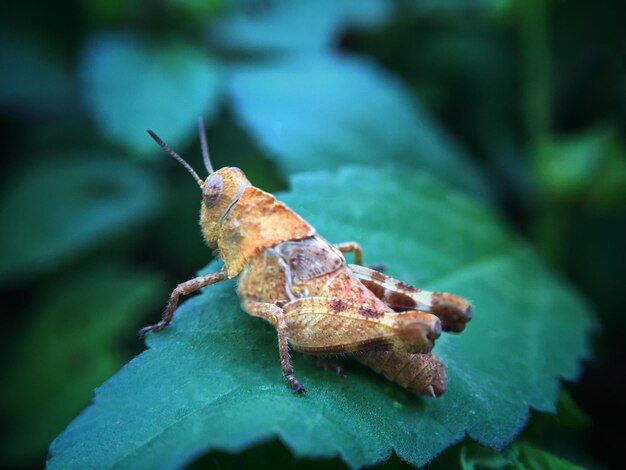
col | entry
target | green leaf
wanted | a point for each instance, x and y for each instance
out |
(71, 345)
(447, 9)
(213, 381)
(519, 456)
(563, 430)
(531, 457)
(58, 209)
(30, 75)
(475, 457)
(569, 414)
(318, 113)
(591, 165)
(131, 84)
(279, 25)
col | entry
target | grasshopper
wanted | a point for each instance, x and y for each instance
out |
(301, 284)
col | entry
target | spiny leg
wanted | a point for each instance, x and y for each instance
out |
(453, 311)
(276, 317)
(184, 288)
(354, 247)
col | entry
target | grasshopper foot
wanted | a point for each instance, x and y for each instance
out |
(295, 384)
(154, 328)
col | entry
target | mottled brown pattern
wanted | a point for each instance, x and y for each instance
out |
(399, 301)
(341, 284)
(453, 311)
(377, 276)
(406, 287)
(309, 258)
(298, 282)
(396, 300)
(375, 288)
(370, 312)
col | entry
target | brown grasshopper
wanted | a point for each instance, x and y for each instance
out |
(298, 282)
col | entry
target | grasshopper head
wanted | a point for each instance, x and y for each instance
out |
(220, 192)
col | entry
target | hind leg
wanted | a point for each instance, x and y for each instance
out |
(453, 311)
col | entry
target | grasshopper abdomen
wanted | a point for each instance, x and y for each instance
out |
(419, 373)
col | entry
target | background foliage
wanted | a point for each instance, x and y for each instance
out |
(518, 105)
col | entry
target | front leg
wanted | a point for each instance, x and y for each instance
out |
(276, 317)
(185, 288)
(453, 311)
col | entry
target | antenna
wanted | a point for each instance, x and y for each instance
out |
(204, 145)
(167, 148)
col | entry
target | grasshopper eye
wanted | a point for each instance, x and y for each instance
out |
(213, 189)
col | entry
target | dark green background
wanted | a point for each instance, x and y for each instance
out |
(98, 225)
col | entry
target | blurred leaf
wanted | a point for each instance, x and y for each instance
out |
(531, 457)
(102, 12)
(28, 76)
(322, 112)
(475, 457)
(562, 433)
(132, 85)
(199, 10)
(570, 414)
(57, 210)
(448, 9)
(519, 456)
(271, 451)
(71, 345)
(590, 165)
(213, 380)
(302, 26)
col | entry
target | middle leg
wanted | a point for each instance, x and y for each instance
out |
(276, 317)
(352, 247)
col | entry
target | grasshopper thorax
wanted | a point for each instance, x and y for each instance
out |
(220, 193)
